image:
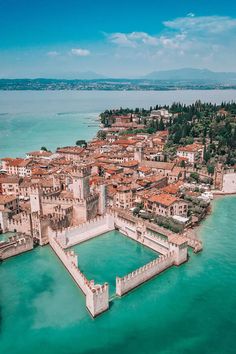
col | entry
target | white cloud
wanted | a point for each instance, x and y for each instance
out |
(53, 53)
(206, 24)
(79, 52)
(190, 14)
(133, 39)
(191, 40)
(121, 39)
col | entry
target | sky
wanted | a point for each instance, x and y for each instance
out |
(115, 38)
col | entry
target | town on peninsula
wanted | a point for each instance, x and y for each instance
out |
(151, 174)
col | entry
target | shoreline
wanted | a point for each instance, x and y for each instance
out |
(194, 232)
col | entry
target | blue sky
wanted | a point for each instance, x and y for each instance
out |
(59, 38)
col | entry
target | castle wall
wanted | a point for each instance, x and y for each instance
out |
(97, 296)
(15, 245)
(75, 235)
(21, 224)
(131, 230)
(141, 275)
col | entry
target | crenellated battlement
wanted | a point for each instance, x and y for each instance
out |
(97, 296)
(142, 274)
(52, 199)
(15, 245)
(49, 199)
(81, 171)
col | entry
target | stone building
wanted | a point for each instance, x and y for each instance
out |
(166, 205)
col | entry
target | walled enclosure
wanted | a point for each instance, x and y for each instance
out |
(173, 250)
(97, 296)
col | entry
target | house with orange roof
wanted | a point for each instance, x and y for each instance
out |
(71, 153)
(173, 188)
(41, 154)
(17, 166)
(193, 152)
(9, 185)
(167, 205)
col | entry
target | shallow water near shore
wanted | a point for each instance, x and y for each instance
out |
(187, 309)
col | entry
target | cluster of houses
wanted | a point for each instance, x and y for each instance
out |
(75, 184)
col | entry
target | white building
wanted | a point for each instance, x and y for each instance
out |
(193, 152)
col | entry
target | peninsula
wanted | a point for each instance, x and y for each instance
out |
(150, 174)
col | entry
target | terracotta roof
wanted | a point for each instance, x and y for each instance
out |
(144, 169)
(131, 163)
(124, 142)
(172, 188)
(178, 240)
(39, 153)
(13, 162)
(163, 199)
(159, 165)
(75, 150)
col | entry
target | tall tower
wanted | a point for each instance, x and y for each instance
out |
(138, 153)
(35, 200)
(102, 199)
(80, 176)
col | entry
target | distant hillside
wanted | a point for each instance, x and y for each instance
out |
(191, 74)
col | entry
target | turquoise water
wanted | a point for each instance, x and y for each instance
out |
(31, 119)
(187, 309)
(111, 255)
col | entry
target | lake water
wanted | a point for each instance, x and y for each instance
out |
(32, 119)
(110, 255)
(189, 309)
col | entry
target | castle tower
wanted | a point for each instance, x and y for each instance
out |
(80, 176)
(97, 299)
(138, 153)
(102, 199)
(35, 200)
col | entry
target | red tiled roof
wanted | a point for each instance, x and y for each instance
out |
(163, 199)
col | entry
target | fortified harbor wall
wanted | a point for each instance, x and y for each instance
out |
(141, 275)
(71, 236)
(138, 231)
(15, 245)
(173, 248)
(97, 296)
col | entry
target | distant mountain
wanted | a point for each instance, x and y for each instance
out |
(190, 74)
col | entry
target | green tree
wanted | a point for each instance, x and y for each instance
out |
(81, 143)
(210, 169)
(194, 176)
(161, 125)
(101, 135)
